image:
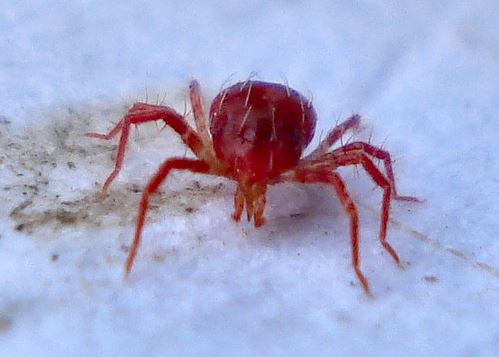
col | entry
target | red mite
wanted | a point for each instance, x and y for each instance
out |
(255, 134)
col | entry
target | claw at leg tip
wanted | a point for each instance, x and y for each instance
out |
(126, 273)
(101, 194)
(401, 265)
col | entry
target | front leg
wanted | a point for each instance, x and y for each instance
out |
(141, 113)
(198, 166)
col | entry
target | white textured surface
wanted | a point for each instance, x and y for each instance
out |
(425, 76)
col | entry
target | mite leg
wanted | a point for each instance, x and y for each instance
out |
(333, 136)
(359, 157)
(378, 154)
(141, 113)
(382, 182)
(199, 114)
(198, 166)
(335, 180)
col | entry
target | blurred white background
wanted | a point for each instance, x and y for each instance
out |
(425, 77)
